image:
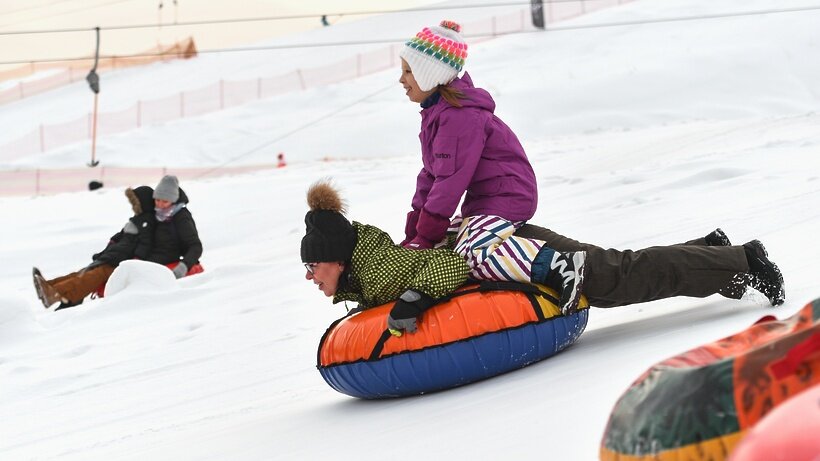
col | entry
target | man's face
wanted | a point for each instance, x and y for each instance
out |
(325, 275)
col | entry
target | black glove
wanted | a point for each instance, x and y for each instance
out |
(410, 305)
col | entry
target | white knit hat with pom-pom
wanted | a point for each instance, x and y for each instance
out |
(436, 54)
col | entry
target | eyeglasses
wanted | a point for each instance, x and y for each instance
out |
(311, 267)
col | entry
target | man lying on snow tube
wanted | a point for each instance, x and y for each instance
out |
(357, 262)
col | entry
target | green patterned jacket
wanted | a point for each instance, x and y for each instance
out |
(380, 271)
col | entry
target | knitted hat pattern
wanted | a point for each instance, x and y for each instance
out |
(167, 189)
(329, 236)
(435, 55)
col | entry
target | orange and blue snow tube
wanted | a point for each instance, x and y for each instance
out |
(478, 332)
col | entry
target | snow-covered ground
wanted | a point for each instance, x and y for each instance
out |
(121, 89)
(639, 135)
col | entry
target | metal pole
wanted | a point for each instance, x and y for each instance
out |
(94, 82)
(94, 162)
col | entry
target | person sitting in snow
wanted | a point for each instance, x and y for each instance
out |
(468, 152)
(176, 241)
(360, 263)
(133, 241)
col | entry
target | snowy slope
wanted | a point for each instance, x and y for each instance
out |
(123, 88)
(566, 82)
(639, 135)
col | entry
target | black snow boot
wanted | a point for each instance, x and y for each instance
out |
(717, 238)
(736, 287)
(764, 275)
(564, 273)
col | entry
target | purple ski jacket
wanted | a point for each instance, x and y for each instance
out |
(470, 150)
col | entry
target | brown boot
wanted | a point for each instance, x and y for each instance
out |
(47, 294)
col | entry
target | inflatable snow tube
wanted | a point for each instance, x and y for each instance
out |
(478, 332)
(698, 405)
(791, 431)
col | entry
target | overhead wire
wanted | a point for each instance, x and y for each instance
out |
(381, 41)
(560, 28)
(61, 13)
(481, 35)
(272, 18)
(29, 7)
(345, 13)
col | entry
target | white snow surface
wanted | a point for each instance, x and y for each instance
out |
(639, 135)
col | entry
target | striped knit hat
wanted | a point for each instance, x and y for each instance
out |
(435, 55)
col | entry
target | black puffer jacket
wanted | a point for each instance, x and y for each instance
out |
(177, 239)
(136, 237)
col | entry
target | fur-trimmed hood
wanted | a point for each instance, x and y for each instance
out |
(141, 199)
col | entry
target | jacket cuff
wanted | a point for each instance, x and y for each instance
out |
(410, 226)
(432, 227)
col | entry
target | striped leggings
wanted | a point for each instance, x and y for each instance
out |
(492, 251)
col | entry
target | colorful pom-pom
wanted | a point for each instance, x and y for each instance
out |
(452, 25)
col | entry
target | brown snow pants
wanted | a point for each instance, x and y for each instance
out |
(77, 285)
(617, 278)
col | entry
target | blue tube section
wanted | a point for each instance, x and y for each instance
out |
(456, 364)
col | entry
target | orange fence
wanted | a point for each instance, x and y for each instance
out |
(66, 72)
(226, 93)
(51, 181)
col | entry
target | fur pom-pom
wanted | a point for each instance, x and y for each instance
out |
(323, 196)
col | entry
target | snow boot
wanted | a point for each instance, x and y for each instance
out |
(764, 275)
(564, 273)
(736, 287)
(47, 294)
(717, 238)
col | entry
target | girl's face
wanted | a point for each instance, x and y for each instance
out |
(411, 88)
(325, 275)
(162, 203)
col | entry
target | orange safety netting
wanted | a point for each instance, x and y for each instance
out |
(77, 69)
